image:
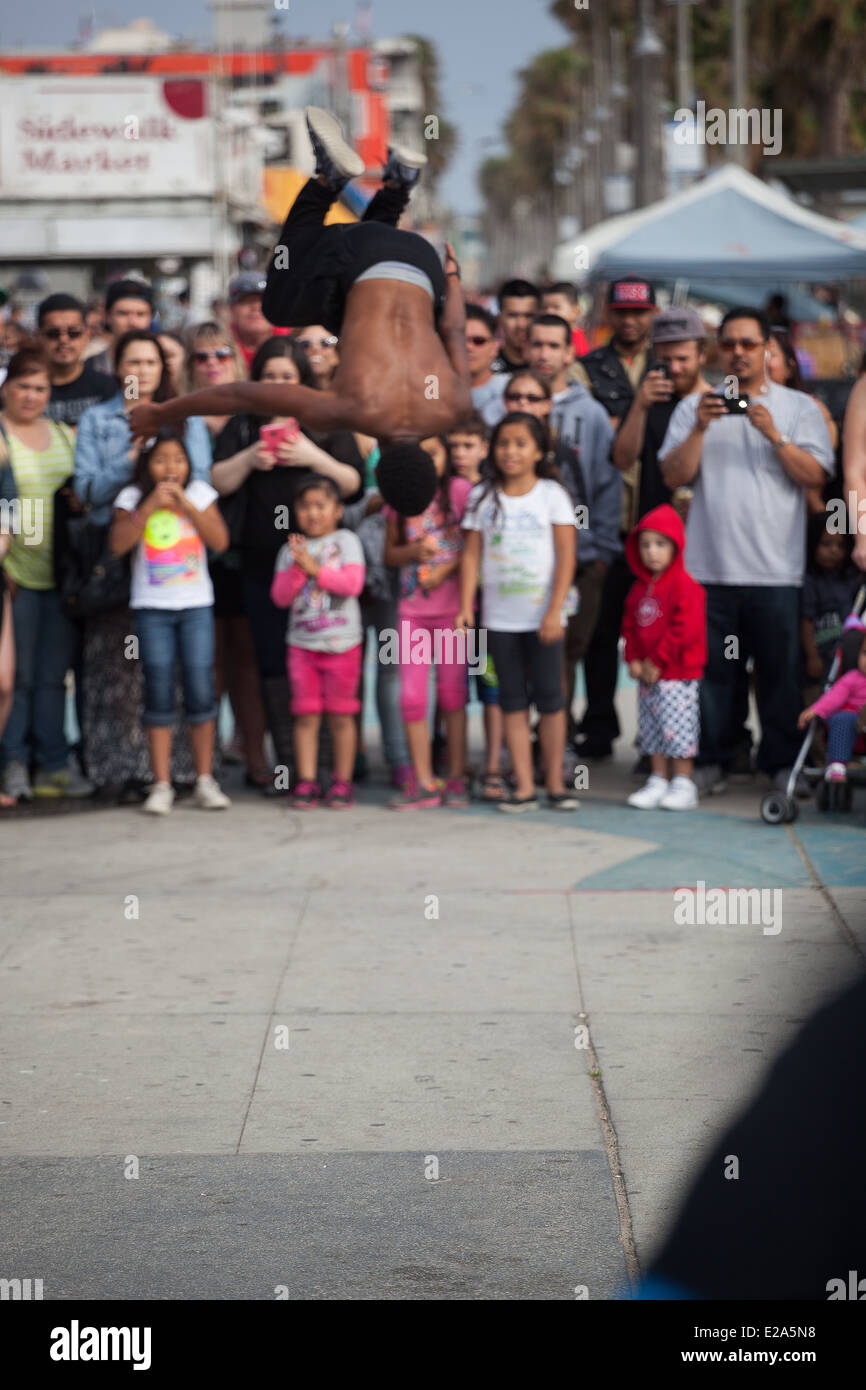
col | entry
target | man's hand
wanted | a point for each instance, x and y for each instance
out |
(144, 420)
(710, 407)
(654, 387)
(763, 421)
(649, 672)
(814, 667)
(550, 630)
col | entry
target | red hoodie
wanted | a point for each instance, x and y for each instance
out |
(665, 614)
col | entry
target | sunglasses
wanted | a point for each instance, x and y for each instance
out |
(517, 396)
(55, 334)
(476, 341)
(729, 344)
(307, 343)
(205, 354)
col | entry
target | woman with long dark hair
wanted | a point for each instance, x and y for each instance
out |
(115, 747)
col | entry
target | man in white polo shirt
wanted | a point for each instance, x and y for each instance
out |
(749, 450)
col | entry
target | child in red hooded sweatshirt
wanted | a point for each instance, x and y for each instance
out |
(665, 633)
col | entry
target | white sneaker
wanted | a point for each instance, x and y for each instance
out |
(682, 795)
(160, 800)
(651, 794)
(836, 772)
(208, 794)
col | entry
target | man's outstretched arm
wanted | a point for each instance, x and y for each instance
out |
(452, 330)
(316, 410)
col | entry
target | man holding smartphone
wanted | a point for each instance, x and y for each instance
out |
(745, 537)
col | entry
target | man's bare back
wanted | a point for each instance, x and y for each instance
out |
(398, 378)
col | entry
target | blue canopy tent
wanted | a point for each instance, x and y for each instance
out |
(730, 226)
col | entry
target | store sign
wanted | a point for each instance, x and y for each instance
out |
(105, 136)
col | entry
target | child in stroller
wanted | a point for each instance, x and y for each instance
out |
(842, 705)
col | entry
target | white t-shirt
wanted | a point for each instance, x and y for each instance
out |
(747, 518)
(518, 558)
(169, 566)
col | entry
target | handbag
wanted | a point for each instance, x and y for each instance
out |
(93, 580)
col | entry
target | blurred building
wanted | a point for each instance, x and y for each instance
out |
(134, 149)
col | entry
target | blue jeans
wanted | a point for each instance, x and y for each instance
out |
(766, 619)
(43, 652)
(381, 613)
(164, 635)
(841, 735)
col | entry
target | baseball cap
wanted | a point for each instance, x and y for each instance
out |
(677, 326)
(248, 282)
(128, 289)
(630, 292)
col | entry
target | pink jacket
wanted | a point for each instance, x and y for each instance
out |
(848, 692)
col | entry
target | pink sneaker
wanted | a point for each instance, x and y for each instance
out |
(416, 798)
(340, 795)
(836, 772)
(306, 795)
(455, 792)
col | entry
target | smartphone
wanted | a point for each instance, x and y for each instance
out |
(736, 405)
(283, 433)
(662, 367)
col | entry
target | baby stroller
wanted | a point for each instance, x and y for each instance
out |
(778, 807)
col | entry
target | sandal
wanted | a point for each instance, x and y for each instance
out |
(493, 784)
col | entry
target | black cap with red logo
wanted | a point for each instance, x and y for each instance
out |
(630, 292)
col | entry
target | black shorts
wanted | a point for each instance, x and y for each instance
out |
(320, 264)
(529, 671)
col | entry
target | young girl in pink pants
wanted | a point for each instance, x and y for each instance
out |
(427, 550)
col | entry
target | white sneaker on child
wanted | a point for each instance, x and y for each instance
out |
(160, 800)
(682, 795)
(208, 794)
(651, 794)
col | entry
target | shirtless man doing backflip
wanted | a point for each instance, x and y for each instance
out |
(403, 374)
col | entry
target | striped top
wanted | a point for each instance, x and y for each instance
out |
(31, 517)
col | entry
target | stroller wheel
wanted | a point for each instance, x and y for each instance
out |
(846, 796)
(776, 808)
(823, 795)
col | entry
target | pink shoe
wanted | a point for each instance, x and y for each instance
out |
(455, 792)
(416, 798)
(306, 795)
(836, 772)
(340, 795)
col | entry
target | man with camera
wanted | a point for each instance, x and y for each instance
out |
(749, 449)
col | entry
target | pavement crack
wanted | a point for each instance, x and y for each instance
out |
(850, 938)
(271, 1012)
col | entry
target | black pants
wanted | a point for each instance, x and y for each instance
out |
(767, 621)
(314, 267)
(601, 663)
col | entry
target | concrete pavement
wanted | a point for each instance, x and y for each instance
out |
(314, 1014)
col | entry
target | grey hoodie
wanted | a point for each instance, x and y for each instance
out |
(580, 422)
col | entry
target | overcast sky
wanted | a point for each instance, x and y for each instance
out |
(482, 44)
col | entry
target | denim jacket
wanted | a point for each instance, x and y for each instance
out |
(102, 462)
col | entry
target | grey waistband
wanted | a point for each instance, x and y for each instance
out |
(398, 270)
